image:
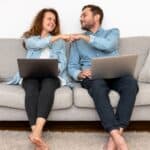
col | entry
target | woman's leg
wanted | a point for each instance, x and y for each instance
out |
(46, 97)
(31, 87)
(45, 102)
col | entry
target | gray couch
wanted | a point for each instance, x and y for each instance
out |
(69, 104)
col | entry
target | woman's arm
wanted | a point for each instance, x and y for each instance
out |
(60, 50)
(35, 42)
(64, 37)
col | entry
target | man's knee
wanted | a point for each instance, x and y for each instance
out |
(131, 82)
(98, 83)
(99, 87)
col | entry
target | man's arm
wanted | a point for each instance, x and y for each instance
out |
(108, 43)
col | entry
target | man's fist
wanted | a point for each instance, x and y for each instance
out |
(85, 74)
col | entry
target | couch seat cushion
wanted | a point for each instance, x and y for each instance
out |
(13, 96)
(83, 99)
(144, 75)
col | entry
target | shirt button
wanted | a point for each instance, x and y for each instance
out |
(97, 54)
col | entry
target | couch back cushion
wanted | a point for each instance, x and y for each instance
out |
(135, 45)
(10, 50)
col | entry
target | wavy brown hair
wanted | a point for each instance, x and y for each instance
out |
(36, 27)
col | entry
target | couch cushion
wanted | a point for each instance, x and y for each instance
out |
(10, 50)
(83, 99)
(13, 96)
(135, 45)
(144, 75)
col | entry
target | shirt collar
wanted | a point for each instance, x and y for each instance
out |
(100, 30)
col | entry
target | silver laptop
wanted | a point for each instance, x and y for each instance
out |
(113, 67)
(37, 67)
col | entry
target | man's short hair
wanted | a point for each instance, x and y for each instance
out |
(96, 10)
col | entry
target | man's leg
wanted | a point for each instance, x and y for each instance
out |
(99, 90)
(127, 87)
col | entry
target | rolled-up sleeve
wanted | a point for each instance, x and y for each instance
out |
(35, 42)
(107, 43)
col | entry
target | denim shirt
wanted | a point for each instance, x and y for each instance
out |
(35, 45)
(103, 43)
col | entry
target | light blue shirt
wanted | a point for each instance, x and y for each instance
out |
(35, 45)
(102, 43)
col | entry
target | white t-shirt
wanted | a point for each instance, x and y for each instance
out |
(46, 53)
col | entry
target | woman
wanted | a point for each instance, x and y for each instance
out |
(43, 40)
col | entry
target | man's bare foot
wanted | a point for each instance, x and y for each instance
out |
(110, 145)
(121, 144)
(119, 140)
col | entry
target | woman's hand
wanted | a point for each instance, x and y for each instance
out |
(75, 37)
(65, 37)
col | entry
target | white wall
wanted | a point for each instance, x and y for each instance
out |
(130, 16)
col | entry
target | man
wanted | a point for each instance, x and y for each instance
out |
(97, 42)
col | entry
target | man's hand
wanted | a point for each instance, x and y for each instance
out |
(74, 37)
(65, 37)
(85, 74)
(70, 37)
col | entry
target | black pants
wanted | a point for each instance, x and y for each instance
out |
(39, 97)
(99, 89)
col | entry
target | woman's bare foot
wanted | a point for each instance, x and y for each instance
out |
(39, 143)
(42, 148)
(35, 140)
(36, 135)
(110, 145)
(37, 148)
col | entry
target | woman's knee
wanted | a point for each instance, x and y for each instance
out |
(50, 82)
(31, 86)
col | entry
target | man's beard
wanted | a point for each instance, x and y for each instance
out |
(86, 27)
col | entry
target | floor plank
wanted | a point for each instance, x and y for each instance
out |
(72, 126)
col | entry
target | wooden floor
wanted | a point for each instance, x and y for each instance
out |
(69, 126)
